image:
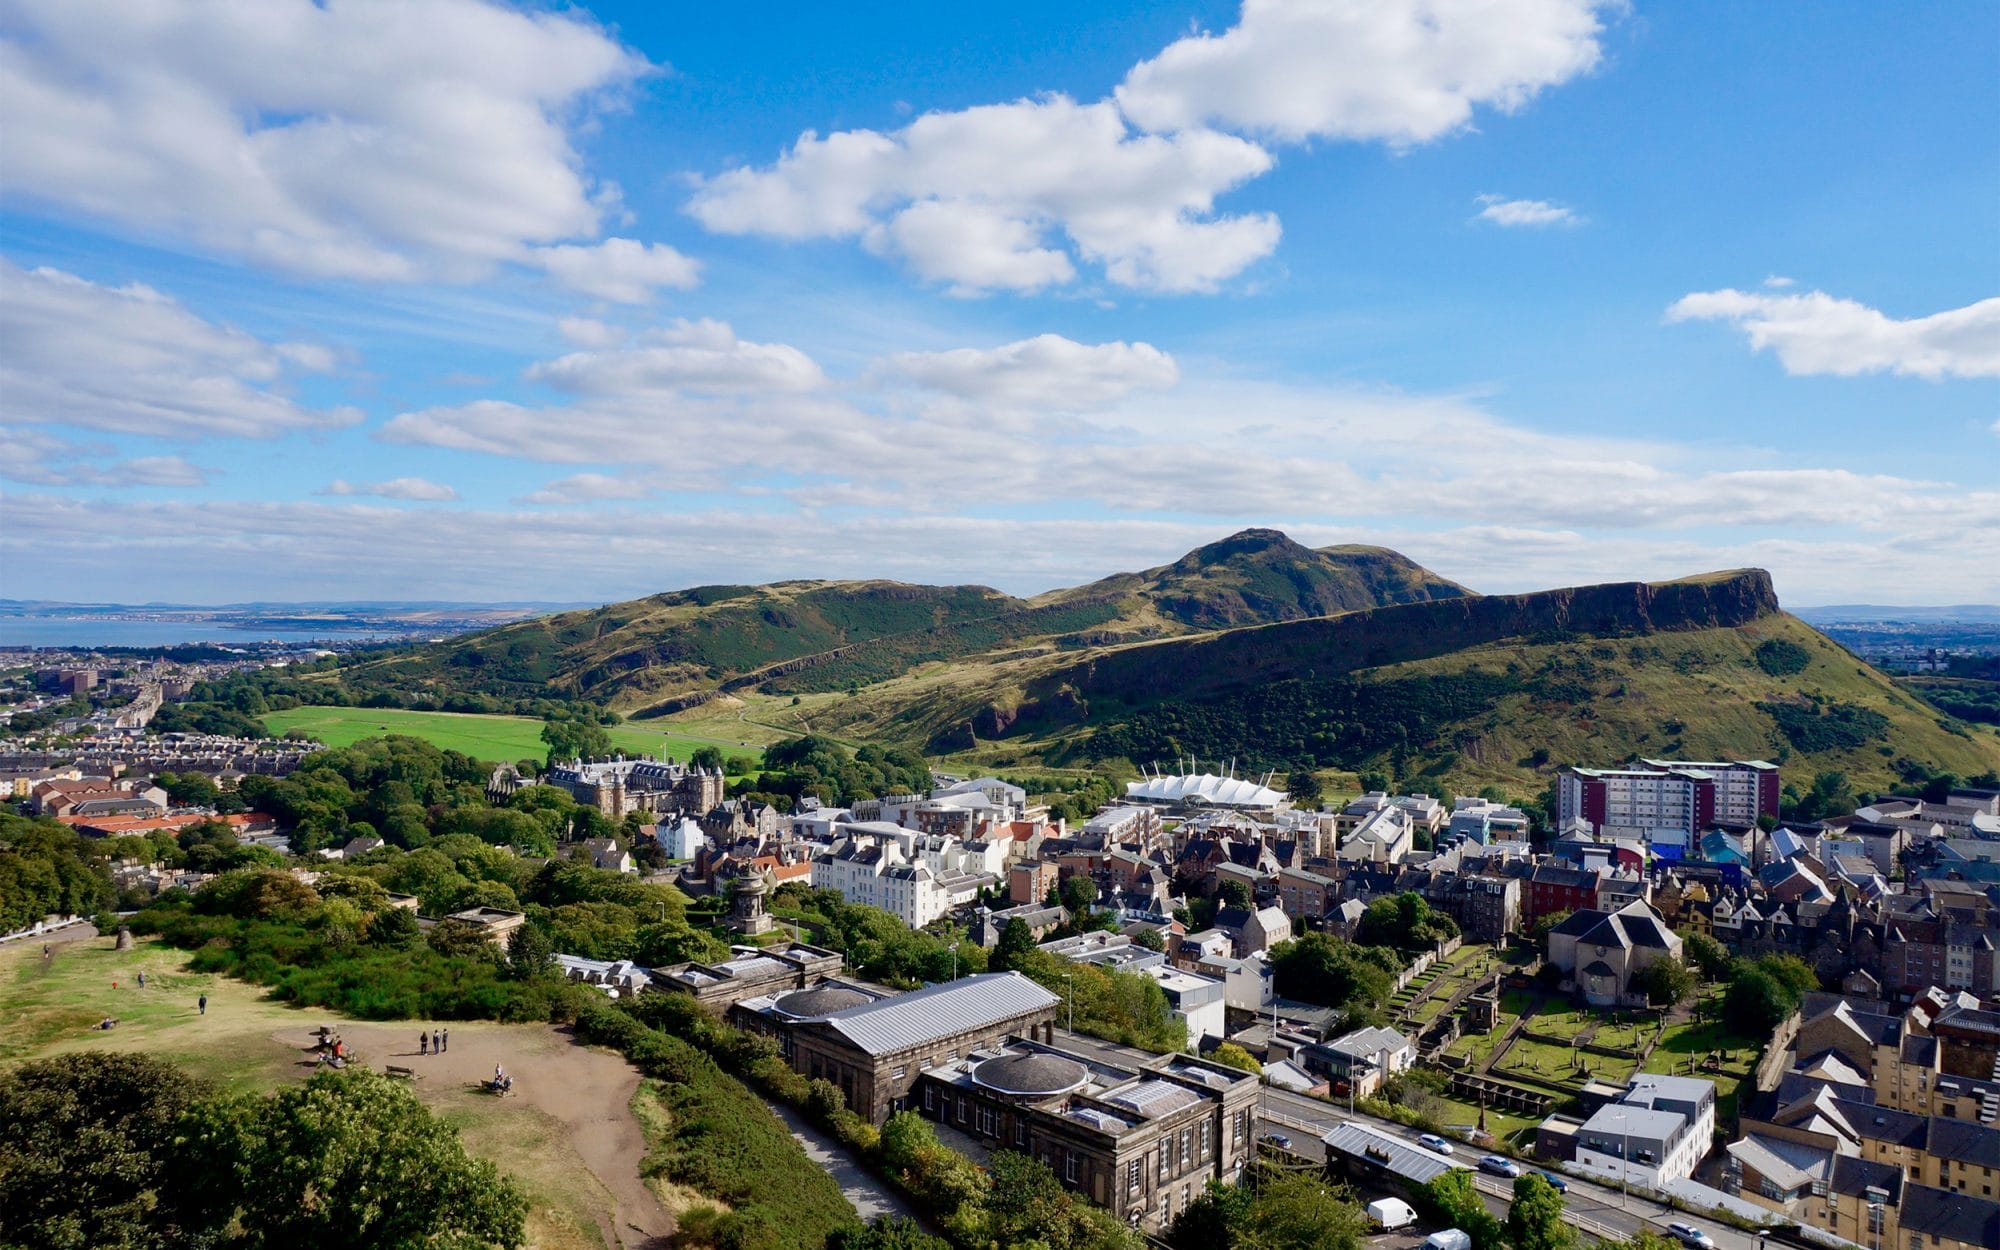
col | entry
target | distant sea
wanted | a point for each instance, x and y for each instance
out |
(49, 631)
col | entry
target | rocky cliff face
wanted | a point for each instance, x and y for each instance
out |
(1234, 660)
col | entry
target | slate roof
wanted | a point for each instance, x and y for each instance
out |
(1035, 1074)
(938, 1011)
(1950, 1216)
(1974, 1144)
(1402, 1157)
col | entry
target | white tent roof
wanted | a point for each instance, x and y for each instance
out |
(1204, 788)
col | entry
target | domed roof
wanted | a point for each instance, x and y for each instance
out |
(1040, 1075)
(808, 1004)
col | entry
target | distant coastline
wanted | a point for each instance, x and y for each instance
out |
(53, 631)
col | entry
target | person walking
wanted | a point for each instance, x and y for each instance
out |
(423, 1042)
(142, 980)
(437, 1042)
(445, 1040)
(202, 1002)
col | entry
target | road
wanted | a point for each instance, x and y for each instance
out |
(1596, 1208)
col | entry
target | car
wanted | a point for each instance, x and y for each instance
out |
(1556, 1183)
(1691, 1237)
(1279, 1140)
(1431, 1141)
(1499, 1165)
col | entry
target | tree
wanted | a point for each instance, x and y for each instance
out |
(1756, 1001)
(888, 1232)
(569, 739)
(457, 939)
(1304, 786)
(530, 955)
(1318, 968)
(1535, 1218)
(1375, 783)
(322, 1161)
(706, 757)
(1707, 954)
(1451, 1200)
(1545, 925)
(1233, 893)
(1232, 1055)
(1215, 1220)
(1150, 939)
(1079, 893)
(1302, 1211)
(94, 1155)
(1667, 982)
(1016, 940)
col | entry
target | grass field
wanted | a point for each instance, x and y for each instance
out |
(502, 738)
(251, 1044)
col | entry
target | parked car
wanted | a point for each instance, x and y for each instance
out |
(1556, 1183)
(1431, 1141)
(1390, 1214)
(1448, 1239)
(1499, 1165)
(1691, 1237)
(1279, 1140)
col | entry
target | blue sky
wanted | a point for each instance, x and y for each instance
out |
(448, 299)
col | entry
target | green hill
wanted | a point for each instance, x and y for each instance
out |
(663, 654)
(1462, 692)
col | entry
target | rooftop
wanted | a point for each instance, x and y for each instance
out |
(938, 1011)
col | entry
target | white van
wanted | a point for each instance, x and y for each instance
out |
(1389, 1214)
(1449, 1239)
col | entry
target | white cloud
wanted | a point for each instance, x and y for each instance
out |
(377, 139)
(1531, 213)
(624, 271)
(592, 488)
(985, 198)
(587, 332)
(42, 459)
(703, 356)
(1397, 71)
(133, 361)
(1047, 371)
(224, 549)
(405, 488)
(1816, 333)
(1778, 281)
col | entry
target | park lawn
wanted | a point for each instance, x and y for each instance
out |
(501, 739)
(48, 1009)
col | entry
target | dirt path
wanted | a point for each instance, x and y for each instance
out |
(588, 1091)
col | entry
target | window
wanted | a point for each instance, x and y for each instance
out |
(899, 1073)
(1133, 1174)
(1020, 1131)
(1070, 1167)
(1187, 1147)
(961, 1108)
(989, 1121)
(1166, 1158)
(928, 1092)
(1236, 1129)
(1207, 1130)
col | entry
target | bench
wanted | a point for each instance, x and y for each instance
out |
(397, 1070)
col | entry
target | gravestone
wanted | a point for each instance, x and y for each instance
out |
(124, 942)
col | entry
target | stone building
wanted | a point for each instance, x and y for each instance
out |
(618, 786)
(751, 973)
(1142, 1141)
(876, 1050)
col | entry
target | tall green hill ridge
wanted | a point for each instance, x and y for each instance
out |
(667, 652)
(1255, 648)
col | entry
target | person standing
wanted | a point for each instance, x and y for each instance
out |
(202, 1002)
(142, 980)
(423, 1042)
(437, 1042)
(444, 1040)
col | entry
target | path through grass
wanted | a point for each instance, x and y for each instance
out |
(497, 738)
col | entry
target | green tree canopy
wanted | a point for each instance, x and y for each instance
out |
(353, 1159)
(1535, 1217)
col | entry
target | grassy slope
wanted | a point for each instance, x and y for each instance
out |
(48, 1009)
(1715, 700)
(1707, 679)
(505, 738)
